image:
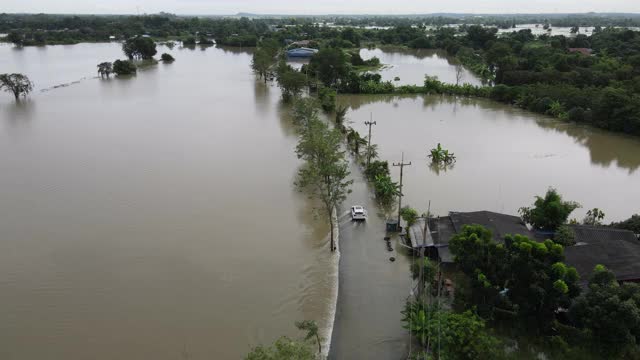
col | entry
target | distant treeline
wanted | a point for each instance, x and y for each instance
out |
(41, 29)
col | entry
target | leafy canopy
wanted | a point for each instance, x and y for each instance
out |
(548, 212)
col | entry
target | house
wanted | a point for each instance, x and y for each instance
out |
(583, 51)
(441, 229)
(618, 250)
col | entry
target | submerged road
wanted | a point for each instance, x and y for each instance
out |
(373, 290)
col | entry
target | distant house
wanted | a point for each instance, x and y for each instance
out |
(616, 249)
(583, 51)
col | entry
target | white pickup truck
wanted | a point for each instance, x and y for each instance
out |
(358, 213)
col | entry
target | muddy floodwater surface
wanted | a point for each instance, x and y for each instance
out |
(505, 156)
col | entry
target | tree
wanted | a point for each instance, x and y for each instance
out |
(594, 217)
(324, 175)
(439, 155)
(632, 224)
(459, 73)
(15, 37)
(521, 275)
(450, 335)
(124, 67)
(311, 328)
(548, 213)
(409, 215)
(139, 48)
(565, 236)
(290, 81)
(610, 313)
(105, 69)
(462, 337)
(331, 65)
(283, 349)
(18, 84)
(385, 188)
(262, 62)
(167, 58)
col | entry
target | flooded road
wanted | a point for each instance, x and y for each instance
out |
(411, 66)
(152, 217)
(373, 289)
(505, 156)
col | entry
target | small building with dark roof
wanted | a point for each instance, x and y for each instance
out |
(618, 250)
(441, 229)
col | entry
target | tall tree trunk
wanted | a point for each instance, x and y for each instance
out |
(319, 345)
(331, 223)
(16, 94)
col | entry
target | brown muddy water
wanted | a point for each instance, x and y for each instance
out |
(152, 217)
(505, 156)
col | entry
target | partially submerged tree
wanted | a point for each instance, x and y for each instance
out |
(15, 37)
(18, 84)
(167, 58)
(439, 155)
(311, 329)
(548, 212)
(290, 81)
(283, 348)
(124, 67)
(139, 48)
(105, 69)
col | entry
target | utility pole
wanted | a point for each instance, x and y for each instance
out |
(369, 123)
(402, 164)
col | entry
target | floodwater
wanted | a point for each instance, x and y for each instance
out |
(152, 217)
(505, 156)
(411, 66)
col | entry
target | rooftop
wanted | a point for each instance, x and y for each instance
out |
(500, 225)
(616, 249)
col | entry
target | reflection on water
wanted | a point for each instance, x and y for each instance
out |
(605, 150)
(505, 156)
(412, 65)
(152, 216)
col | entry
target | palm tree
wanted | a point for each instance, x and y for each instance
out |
(311, 328)
(105, 68)
(386, 188)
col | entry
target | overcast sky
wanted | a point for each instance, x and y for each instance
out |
(317, 6)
